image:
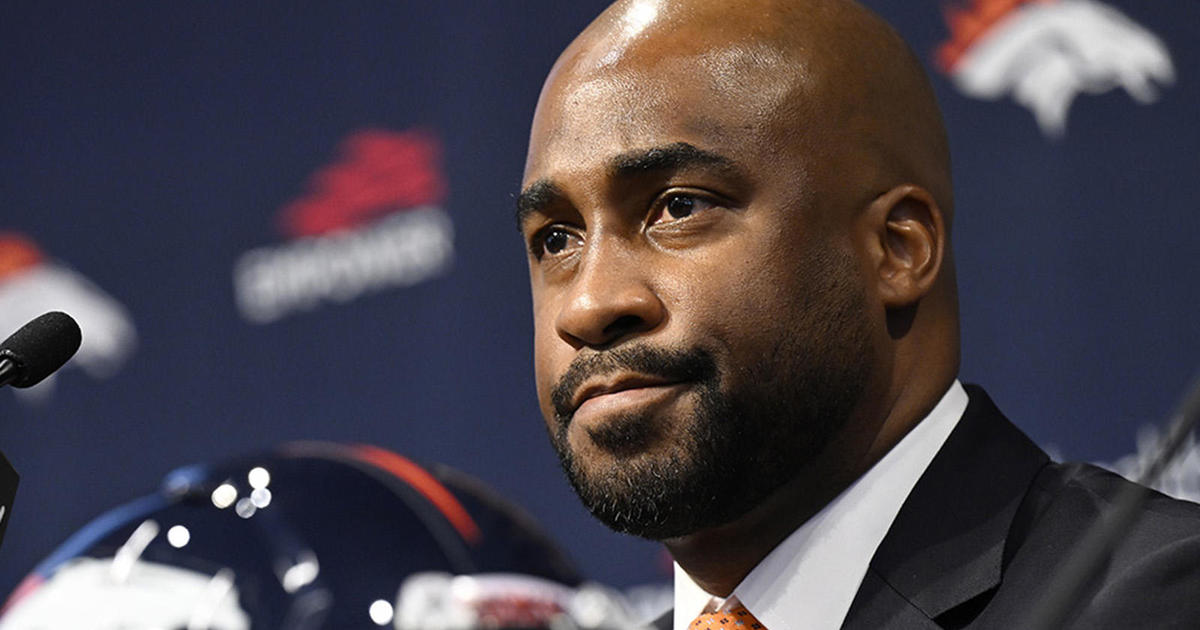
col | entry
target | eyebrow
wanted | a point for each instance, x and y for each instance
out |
(543, 192)
(670, 157)
(536, 198)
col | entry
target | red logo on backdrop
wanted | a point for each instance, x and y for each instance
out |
(378, 172)
(1044, 53)
(969, 24)
(369, 221)
(31, 283)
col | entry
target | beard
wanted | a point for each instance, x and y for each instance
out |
(753, 428)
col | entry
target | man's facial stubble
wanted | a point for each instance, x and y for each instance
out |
(753, 427)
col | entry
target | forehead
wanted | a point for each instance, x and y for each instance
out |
(732, 100)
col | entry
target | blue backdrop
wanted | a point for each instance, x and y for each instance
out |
(279, 222)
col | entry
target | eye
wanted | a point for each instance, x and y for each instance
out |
(555, 240)
(680, 206)
(552, 241)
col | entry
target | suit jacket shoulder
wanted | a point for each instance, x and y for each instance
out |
(991, 520)
(1152, 578)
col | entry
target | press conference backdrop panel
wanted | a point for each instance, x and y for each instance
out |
(280, 222)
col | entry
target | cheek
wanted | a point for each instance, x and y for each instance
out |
(737, 299)
(548, 357)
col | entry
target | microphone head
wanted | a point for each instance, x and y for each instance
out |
(41, 347)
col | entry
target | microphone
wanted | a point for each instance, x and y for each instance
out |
(38, 349)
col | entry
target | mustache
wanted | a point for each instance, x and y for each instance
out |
(675, 364)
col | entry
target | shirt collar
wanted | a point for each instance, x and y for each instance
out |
(809, 580)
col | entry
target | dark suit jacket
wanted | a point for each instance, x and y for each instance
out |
(990, 522)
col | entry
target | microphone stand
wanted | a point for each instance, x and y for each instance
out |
(8, 474)
(8, 492)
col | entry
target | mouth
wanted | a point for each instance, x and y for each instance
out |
(627, 381)
(620, 390)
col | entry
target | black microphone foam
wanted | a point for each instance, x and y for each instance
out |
(38, 349)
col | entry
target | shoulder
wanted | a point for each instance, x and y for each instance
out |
(1153, 575)
(1068, 496)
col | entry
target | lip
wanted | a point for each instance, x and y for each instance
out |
(598, 388)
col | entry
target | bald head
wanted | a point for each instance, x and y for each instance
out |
(822, 76)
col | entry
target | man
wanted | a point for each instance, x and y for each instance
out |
(746, 334)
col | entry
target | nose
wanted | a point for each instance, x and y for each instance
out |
(609, 299)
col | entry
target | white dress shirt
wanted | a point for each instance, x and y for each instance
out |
(810, 579)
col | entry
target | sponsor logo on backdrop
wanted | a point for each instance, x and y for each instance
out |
(32, 284)
(369, 222)
(1044, 53)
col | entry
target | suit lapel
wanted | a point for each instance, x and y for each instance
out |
(946, 546)
(878, 605)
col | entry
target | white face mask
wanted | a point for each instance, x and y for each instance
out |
(85, 593)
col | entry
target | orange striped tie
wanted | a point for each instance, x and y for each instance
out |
(737, 619)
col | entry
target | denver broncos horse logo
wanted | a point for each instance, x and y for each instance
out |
(1043, 53)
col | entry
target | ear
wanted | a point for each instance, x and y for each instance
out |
(907, 235)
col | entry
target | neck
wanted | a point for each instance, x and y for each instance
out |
(719, 558)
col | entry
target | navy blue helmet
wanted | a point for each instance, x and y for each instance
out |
(308, 536)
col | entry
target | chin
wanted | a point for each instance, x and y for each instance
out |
(657, 491)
